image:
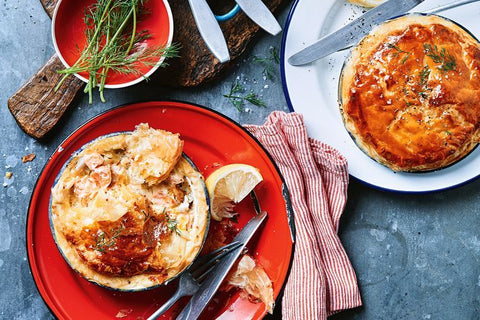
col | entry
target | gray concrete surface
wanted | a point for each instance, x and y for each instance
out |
(416, 257)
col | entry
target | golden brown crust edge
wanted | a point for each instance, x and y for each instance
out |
(147, 280)
(366, 46)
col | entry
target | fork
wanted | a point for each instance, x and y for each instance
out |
(191, 279)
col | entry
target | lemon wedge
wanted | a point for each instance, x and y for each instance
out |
(229, 185)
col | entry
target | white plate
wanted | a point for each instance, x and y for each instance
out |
(312, 91)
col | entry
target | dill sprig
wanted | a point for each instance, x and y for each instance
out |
(238, 98)
(443, 57)
(102, 243)
(172, 224)
(114, 44)
(268, 63)
(253, 99)
(424, 74)
(399, 51)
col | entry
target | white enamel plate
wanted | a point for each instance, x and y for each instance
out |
(312, 91)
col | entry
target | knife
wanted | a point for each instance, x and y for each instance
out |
(261, 15)
(352, 32)
(205, 293)
(450, 6)
(209, 29)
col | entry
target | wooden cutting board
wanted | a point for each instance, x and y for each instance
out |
(37, 108)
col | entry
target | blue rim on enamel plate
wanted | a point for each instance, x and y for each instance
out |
(312, 90)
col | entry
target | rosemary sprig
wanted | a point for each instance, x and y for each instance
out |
(443, 57)
(237, 98)
(102, 243)
(268, 63)
(114, 44)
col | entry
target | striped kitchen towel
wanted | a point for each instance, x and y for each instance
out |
(322, 280)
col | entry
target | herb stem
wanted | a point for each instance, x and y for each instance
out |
(134, 29)
(111, 33)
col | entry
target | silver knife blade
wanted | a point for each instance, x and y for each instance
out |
(261, 15)
(201, 298)
(450, 6)
(209, 29)
(352, 32)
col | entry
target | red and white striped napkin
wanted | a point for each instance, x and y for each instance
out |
(322, 280)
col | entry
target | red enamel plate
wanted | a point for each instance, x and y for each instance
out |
(211, 140)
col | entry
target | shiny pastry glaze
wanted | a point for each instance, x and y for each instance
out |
(129, 212)
(410, 93)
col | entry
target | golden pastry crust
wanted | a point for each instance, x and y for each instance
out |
(410, 93)
(120, 230)
(367, 3)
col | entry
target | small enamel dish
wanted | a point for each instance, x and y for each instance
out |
(68, 34)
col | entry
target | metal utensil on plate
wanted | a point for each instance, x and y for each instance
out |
(190, 280)
(352, 32)
(201, 298)
(348, 35)
(450, 6)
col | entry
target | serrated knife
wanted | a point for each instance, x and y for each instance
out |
(201, 298)
(352, 32)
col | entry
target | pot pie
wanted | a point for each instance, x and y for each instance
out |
(410, 93)
(129, 211)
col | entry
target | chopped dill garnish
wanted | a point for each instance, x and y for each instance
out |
(443, 57)
(423, 75)
(237, 98)
(268, 63)
(253, 99)
(102, 243)
(396, 54)
(172, 224)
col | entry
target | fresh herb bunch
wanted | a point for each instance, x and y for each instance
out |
(238, 98)
(114, 44)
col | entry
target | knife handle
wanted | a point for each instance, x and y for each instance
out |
(229, 15)
(209, 29)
